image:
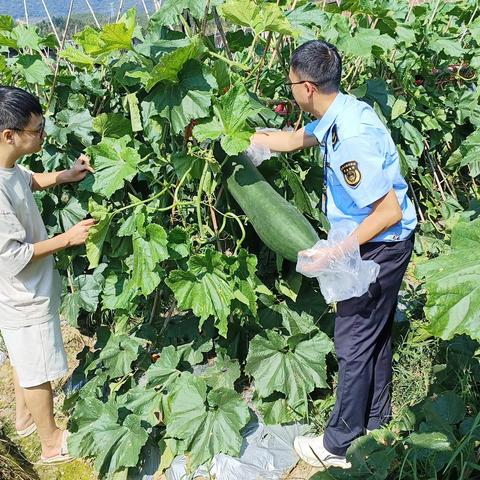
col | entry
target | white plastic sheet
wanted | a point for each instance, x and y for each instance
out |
(337, 264)
(267, 454)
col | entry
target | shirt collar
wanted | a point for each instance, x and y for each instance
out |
(330, 116)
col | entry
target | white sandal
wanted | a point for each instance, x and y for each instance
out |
(62, 457)
(27, 431)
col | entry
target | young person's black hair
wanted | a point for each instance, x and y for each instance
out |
(17, 107)
(319, 62)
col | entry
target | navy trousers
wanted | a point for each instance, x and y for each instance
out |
(362, 340)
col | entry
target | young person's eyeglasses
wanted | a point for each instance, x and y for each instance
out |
(289, 84)
(38, 131)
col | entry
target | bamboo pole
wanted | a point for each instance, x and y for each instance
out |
(62, 45)
(26, 11)
(97, 23)
(51, 21)
(145, 8)
(120, 6)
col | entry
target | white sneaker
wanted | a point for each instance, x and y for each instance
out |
(312, 451)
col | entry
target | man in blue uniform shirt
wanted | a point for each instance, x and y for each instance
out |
(363, 183)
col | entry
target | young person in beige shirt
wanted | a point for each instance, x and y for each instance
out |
(30, 285)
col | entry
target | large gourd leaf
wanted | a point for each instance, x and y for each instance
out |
(205, 288)
(182, 102)
(115, 36)
(229, 122)
(452, 281)
(264, 17)
(208, 423)
(291, 365)
(170, 64)
(114, 163)
(114, 444)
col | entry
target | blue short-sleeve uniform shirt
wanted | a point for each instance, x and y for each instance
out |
(362, 165)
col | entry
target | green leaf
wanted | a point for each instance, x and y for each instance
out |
(264, 17)
(118, 292)
(276, 410)
(149, 249)
(447, 408)
(71, 213)
(112, 125)
(399, 108)
(112, 37)
(84, 295)
(230, 119)
(135, 117)
(119, 353)
(223, 373)
(183, 102)
(468, 154)
(294, 371)
(413, 137)
(77, 57)
(172, 9)
(27, 37)
(114, 445)
(69, 122)
(164, 371)
(170, 64)
(450, 46)
(362, 43)
(33, 68)
(6, 23)
(143, 402)
(97, 234)
(452, 281)
(114, 163)
(205, 288)
(207, 423)
(425, 446)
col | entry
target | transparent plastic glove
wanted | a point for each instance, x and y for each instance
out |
(259, 153)
(337, 265)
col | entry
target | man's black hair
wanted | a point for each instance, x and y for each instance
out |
(17, 107)
(319, 62)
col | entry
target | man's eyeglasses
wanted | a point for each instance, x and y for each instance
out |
(38, 131)
(289, 84)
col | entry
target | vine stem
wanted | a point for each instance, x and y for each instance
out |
(240, 224)
(232, 63)
(218, 23)
(262, 61)
(198, 200)
(142, 202)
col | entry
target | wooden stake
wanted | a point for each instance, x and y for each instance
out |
(120, 6)
(51, 21)
(97, 23)
(26, 10)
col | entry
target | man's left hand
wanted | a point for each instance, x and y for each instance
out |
(79, 170)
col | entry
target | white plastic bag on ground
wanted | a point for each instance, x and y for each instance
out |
(267, 454)
(337, 264)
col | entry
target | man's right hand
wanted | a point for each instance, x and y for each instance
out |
(78, 234)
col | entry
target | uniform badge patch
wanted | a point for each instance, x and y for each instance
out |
(334, 136)
(351, 173)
